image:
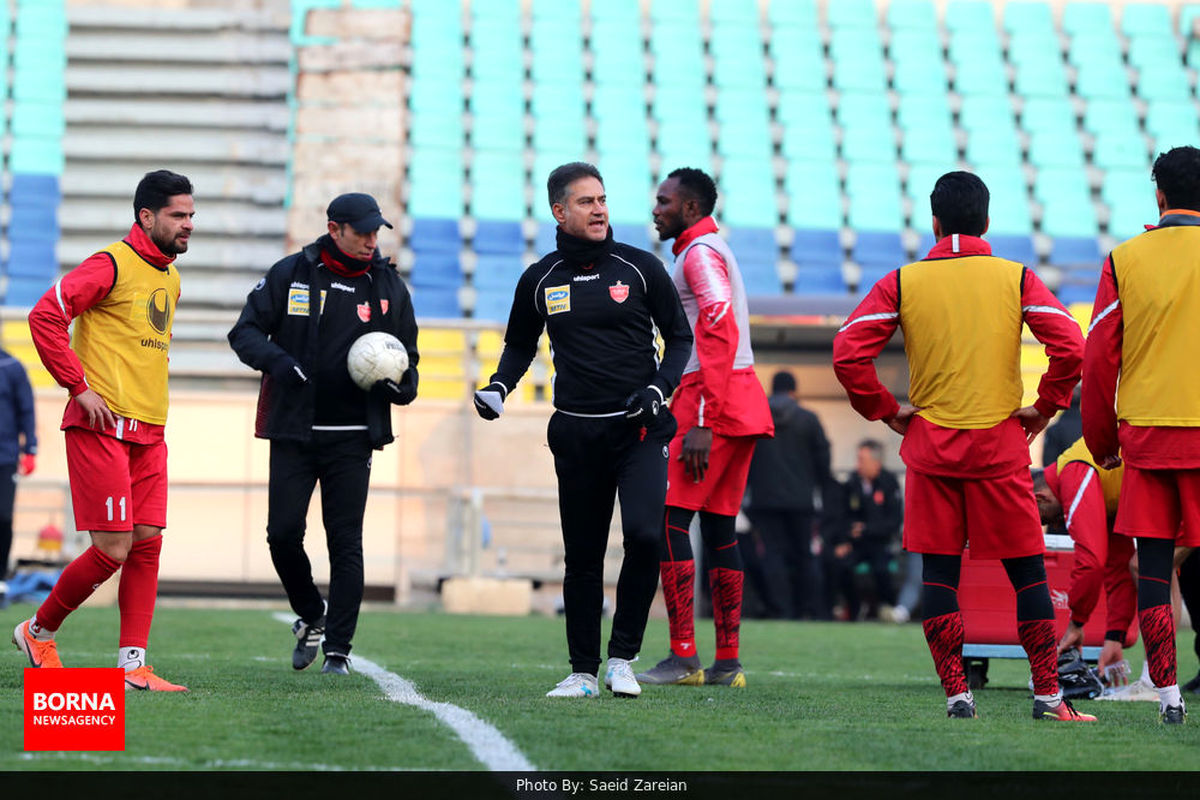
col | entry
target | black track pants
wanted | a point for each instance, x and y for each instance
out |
(599, 459)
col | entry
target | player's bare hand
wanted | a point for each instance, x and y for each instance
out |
(697, 444)
(899, 423)
(1113, 655)
(99, 415)
(1031, 420)
(1109, 462)
(1072, 638)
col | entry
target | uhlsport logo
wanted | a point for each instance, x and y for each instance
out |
(158, 311)
(74, 709)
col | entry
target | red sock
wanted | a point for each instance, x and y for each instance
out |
(678, 578)
(1158, 635)
(76, 584)
(945, 637)
(727, 609)
(1037, 637)
(138, 591)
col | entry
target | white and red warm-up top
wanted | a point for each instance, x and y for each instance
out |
(720, 389)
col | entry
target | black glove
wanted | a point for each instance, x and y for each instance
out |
(287, 373)
(400, 394)
(642, 406)
(489, 401)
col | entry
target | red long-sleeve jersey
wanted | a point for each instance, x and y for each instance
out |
(976, 452)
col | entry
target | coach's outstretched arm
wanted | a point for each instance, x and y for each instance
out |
(525, 325)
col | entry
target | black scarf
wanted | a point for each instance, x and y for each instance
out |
(341, 263)
(582, 252)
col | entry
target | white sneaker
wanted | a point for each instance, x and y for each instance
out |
(577, 684)
(620, 679)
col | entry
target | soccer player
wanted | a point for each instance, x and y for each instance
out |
(599, 301)
(1145, 326)
(123, 302)
(1076, 493)
(966, 434)
(297, 328)
(721, 410)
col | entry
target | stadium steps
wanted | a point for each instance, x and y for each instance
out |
(206, 113)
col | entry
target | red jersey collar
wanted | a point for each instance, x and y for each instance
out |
(956, 245)
(146, 248)
(706, 225)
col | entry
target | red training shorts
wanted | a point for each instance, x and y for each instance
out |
(1160, 504)
(997, 515)
(724, 483)
(116, 484)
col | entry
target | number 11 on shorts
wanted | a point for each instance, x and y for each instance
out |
(108, 505)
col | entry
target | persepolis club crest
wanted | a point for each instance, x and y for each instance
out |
(619, 291)
(364, 312)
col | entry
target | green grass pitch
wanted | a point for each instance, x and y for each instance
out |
(821, 696)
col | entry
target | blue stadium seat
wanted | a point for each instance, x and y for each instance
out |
(493, 304)
(25, 291)
(546, 240)
(35, 190)
(1014, 248)
(879, 248)
(32, 222)
(436, 302)
(1067, 250)
(1069, 293)
(434, 234)
(437, 270)
(498, 236)
(498, 271)
(817, 248)
(872, 274)
(634, 235)
(33, 258)
(819, 281)
(760, 278)
(757, 244)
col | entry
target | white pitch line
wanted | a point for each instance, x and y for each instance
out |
(218, 763)
(485, 741)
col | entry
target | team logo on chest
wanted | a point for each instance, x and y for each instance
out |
(364, 311)
(619, 291)
(158, 311)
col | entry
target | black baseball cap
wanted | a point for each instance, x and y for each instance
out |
(359, 210)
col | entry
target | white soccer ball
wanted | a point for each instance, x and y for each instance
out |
(376, 356)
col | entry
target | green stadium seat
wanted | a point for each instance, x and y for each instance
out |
(678, 56)
(748, 186)
(686, 148)
(497, 52)
(740, 73)
(970, 44)
(498, 186)
(625, 137)
(1171, 117)
(1067, 221)
(629, 186)
(1103, 82)
(863, 109)
(747, 137)
(617, 57)
(687, 100)
(39, 87)
(435, 130)
(874, 194)
(674, 10)
(738, 104)
(619, 11)
(620, 103)
(1119, 184)
(568, 132)
(1062, 185)
(792, 12)
(733, 41)
(553, 101)
(571, 10)
(44, 120)
(1146, 20)
(923, 75)
(979, 77)
(800, 68)
(813, 140)
(1048, 79)
(1095, 48)
(733, 11)
(848, 13)
(503, 11)
(796, 106)
(929, 145)
(918, 110)
(436, 95)
(1087, 17)
(815, 197)
(920, 181)
(1052, 149)
(1048, 115)
(557, 47)
(970, 15)
(1105, 116)
(1022, 16)
(1115, 150)
(869, 145)
(1188, 15)
(1155, 52)
(993, 147)
(911, 14)
(914, 43)
(1034, 48)
(1129, 216)
(1164, 84)
(986, 112)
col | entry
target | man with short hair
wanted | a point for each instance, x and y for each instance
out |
(876, 512)
(18, 449)
(600, 302)
(297, 328)
(1141, 354)
(966, 435)
(721, 411)
(123, 302)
